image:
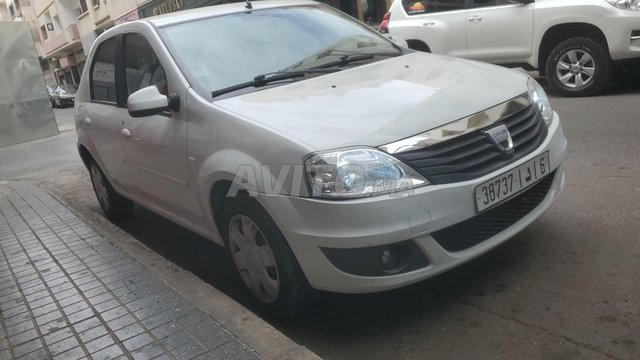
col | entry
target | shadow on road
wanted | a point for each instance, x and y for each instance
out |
(331, 317)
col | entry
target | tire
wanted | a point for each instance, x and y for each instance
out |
(115, 206)
(578, 57)
(259, 276)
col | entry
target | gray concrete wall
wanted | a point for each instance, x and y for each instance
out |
(25, 110)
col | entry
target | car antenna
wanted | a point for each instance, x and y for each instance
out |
(248, 6)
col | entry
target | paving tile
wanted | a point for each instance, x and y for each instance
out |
(17, 319)
(35, 355)
(148, 352)
(63, 345)
(100, 343)
(87, 324)
(232, 350)
(80, 315)
(119, 323)
(113, 313)
(166, 330)
(21, 327)
(109, 353)
(72, 354)
(209, 334)
(93, 333)
(176, 340)
(23, 337)
(57, 336)
(188, 351)
(138, 341)
(107, 305)
(129, 331)
(27, 347)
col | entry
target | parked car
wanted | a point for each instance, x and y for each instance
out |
(576, 44)
(50, 91)
(64, 95)
(318, 152)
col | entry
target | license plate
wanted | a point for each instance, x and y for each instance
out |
(505, 186)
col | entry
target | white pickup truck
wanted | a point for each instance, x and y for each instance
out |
(574, 43)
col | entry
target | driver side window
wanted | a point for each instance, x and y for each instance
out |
(142, 67)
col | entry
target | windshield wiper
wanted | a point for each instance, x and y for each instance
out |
(264, 79)
(347, 58)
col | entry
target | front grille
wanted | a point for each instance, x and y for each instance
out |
(485, 225)
(473, 155)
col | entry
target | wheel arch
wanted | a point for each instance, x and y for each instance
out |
(418, 45)
(85, 155)
(558, 33)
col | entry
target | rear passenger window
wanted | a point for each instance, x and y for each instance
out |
(486, 3)
(103, 72)
(142, 66)
(417, 7)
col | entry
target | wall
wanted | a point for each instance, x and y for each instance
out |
(24, 104)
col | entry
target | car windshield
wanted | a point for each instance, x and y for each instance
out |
(68, 89)
(221, 52)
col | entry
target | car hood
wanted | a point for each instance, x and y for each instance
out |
(379, 103)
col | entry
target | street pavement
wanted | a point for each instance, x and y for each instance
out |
(565, 288)
(69, 292)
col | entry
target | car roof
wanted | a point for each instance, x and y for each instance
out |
(216, 10)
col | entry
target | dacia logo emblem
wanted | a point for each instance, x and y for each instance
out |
(501, 138)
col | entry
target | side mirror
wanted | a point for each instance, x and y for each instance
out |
(149, 101)
(398, 40)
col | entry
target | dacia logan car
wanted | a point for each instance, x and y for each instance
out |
(316, 151)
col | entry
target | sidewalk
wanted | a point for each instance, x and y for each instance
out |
(67, 293)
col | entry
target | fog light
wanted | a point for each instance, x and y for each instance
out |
(384, 260)
(388, 260)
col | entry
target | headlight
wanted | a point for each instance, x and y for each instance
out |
(626, 4)
(356, 173)
(536, 92)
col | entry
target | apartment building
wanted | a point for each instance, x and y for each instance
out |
(22, 10)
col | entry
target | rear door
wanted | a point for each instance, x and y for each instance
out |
(442, 24)
(100, 118)
(499, 31)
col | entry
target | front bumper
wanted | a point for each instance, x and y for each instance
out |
(66, 101)
(312, 224)
(623, 37)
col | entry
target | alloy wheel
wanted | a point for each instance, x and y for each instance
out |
(575, 68)
(254, 258)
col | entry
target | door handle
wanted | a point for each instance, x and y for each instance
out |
(429, 23)
(475, 18)
(126, 133)
(86, 121)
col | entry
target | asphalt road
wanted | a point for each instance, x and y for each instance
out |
(566, 288)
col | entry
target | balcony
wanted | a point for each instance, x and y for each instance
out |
(69, 36)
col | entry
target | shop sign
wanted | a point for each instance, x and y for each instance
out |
(160, 7)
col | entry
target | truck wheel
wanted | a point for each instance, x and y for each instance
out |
(115, 206)
(263, 260)
(578, 67)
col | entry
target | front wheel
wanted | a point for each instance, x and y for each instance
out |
(115, 206)
(578, 67)
(263, 260)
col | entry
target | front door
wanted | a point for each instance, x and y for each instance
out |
(155, 146)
